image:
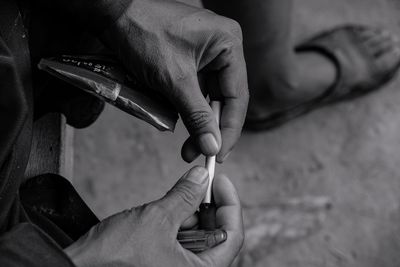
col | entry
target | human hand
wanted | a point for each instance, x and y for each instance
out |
(186, 53)
(146, 235)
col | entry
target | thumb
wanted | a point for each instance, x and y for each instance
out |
(197, 115)
(185, 197)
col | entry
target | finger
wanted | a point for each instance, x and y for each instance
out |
(197, 115)
(208, 83)
(229, 218)
(189, 150)
(190, 222)
(234, 88)
(184, 198)
(226, 198)
(232, 81)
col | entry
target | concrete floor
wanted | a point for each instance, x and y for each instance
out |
(345, 156)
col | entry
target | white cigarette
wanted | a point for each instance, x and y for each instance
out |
(210, 161)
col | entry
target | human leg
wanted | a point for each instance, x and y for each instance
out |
(278, 77)
(282, 77)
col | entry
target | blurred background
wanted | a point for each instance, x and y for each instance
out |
(323, 190)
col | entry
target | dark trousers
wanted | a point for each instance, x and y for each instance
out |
(41, 216)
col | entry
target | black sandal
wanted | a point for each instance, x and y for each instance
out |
(359, 73)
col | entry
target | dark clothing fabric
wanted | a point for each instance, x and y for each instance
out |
(53, 204)
(45, 214)
(16, 111)
(52, 216)
(93, 15)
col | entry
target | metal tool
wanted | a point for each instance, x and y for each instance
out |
(106, 79)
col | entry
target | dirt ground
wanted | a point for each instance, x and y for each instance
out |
(320, 191)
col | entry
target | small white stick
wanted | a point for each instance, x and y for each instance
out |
(210, 161)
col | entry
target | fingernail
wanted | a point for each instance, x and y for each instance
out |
(198, 175)
(208, 143)
(220, 236)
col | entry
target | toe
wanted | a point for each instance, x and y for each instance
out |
(366, 34)
(375, 40)
(378, 49)
(379, 43)
(390, 58)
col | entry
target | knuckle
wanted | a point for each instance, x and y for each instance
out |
(234, 125)
(232, 29)
(231, 49)
(235, 29)
(198, 119)
(229, 31)
(134, 215)
(185, 194)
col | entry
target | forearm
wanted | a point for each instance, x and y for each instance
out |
(94, 15)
